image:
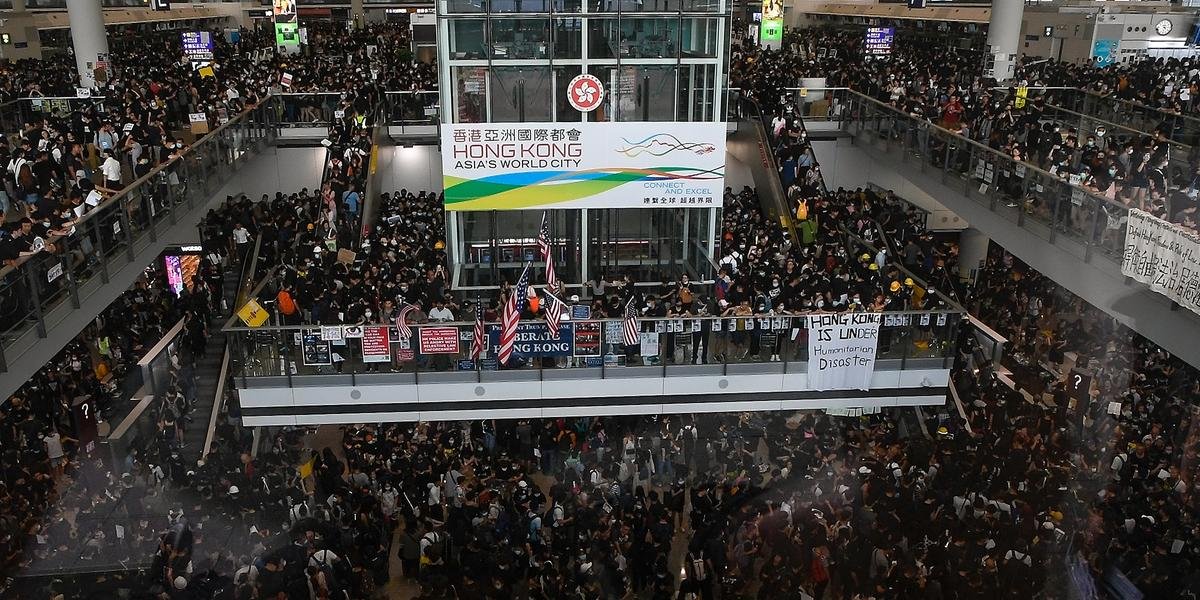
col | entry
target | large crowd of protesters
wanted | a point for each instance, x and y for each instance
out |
(1030, 495)
(65, 159)
(945, 87)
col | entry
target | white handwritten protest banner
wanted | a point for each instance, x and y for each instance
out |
(841, 350)
(1164, 256)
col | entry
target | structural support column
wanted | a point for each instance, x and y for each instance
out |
(358, 15)
(88, 38)
(972, 251)
(1004, 38)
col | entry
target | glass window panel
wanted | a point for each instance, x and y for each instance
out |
(563, 109)
(645, 92)
(696, 92)
(520, 94)
(519, 6)
(466, 6)
(516, 39)
(470, 85)
(467, 39)
(568, 6)
(603, 35)
(699, 38)
(605, 112)
(568, 38)
(649, 37)
(703, 6)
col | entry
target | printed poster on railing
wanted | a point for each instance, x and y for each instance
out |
(515, 166)
(1164, 256)
(375, 344)
(841, 350)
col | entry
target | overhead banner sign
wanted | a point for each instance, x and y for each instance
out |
(880, 40)
(197, 45)
(502, 166)
(841, 350)
(1163, 256)
(287, 27)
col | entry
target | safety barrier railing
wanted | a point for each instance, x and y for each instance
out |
(73, 263)
(1183, 127)
(305, 109)
(1052, 206)
(413, 112)
(913, 339)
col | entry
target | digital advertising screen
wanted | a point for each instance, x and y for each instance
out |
(771, 29)
(180, 271)
(284, 11)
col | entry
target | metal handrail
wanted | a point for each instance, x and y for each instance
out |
(949, 311)
(218, 401)
(1110, 98)
(933, 127)
(135, 184)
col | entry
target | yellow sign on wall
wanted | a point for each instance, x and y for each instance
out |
(253, 314)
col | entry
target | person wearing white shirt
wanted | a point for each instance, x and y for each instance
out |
(440, 312)
(112, 171)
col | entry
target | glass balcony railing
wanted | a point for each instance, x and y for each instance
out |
(1053, 206)
(1183, 127)
(909, 340)
(14, 114)
(413, 111)
(76, 262)
(306, 109)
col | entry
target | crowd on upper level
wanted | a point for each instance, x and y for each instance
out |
(67, 157)
(1022, 497)
(945, 87)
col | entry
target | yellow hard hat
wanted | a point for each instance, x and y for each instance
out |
(908, 281)
(865, 256)
(440, 245)
(873, 267)
(895, 287)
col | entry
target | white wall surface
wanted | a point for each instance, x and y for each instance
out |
(912, 387)
(415, 168)
(277, 170)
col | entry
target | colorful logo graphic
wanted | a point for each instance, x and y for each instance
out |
(583, 165)
(662, 144)
(585, 92)
(546, 188)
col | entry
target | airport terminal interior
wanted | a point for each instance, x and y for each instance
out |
(599, 299)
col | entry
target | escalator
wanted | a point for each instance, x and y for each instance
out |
(208, 367)
(751, 145)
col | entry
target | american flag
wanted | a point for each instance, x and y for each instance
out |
(402, 321)
(477, 342)
(552, 282)
(630, 326)
(553, 313)
(512, 316)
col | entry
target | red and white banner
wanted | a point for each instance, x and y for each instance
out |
(438, 340)
(375, 344)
